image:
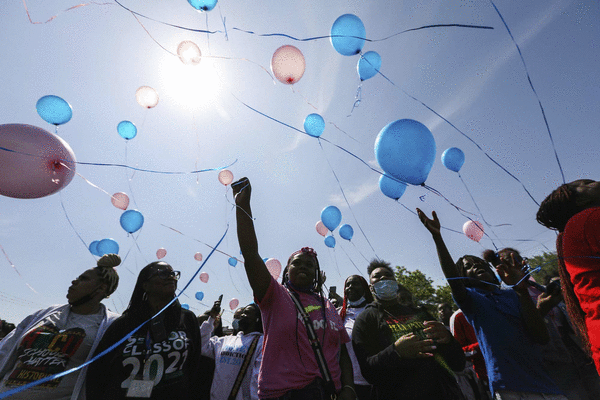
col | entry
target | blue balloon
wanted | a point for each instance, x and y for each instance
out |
(199, 296)
(453, 159)
(94, 248)
(203, 5)
(127, 129)
(331, 216)
(405, 149)
(314, 125)
(330, 241)
(107, 246)
(348, 35)
(391, 187)
(132, 220)
(368, 65)
(54, 110)
(185, 306)
(232, 261)
(265, 259)
(346, 232)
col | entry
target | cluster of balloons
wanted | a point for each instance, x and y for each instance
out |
(405, 150)
(54, 110)
(132, 221)
(35, 163)
(288, 64)
(331, 217)
(104, 246)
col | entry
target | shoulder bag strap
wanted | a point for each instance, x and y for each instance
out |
(240, 377)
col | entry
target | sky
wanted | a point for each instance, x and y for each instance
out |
(228, 111)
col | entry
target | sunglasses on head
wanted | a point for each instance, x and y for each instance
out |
(166, 274)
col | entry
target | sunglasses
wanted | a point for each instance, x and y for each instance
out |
(166, 274)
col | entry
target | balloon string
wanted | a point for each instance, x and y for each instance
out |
(357, 98)
(62, 204)
(415, 214)
(352, 262)
(344, 132)
(346, 199)
(151, 37)
(197, 240)
(119, 342)
(68, 9)
(533, 89)
(19, 301)
(16, 270)
(129, 179)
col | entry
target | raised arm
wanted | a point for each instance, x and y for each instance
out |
(256, 270)
(446, 262)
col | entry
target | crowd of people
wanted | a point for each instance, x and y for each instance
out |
(504, 338)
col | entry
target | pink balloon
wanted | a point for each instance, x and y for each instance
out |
(225, 177)
(274, 267)
(146, 97)
(161, 253)
(198, 256)
(321, 229)
(473, 230)
(120, 200)
(234, 303)
(288, 64)
(37, 163)
(204, 277)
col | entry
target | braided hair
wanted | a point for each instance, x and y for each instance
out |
(107, 273)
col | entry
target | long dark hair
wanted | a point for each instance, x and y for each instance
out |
(554, 213)
(460, 265)
(367, 293)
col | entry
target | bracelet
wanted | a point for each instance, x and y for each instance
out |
(349, 387)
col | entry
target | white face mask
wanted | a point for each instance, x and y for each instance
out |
(235, 324)
(386, 289)
(357, 302)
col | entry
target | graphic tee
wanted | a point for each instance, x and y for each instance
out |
(60, 342)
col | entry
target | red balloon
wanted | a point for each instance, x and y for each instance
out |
(198, 256)
(161, 253)
(473, 230)
(321, 229)
(288, 64)
(234, 303)
(120, 200)
(274, 267)
(204, 277)
(225, 177)
(34, 162)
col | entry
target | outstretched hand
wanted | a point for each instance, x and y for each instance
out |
(241, 191)
(511, 271)
(216, 309)
(432, 225)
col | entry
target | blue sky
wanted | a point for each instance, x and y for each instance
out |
(97, 55)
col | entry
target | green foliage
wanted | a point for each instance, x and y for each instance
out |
(549, 267)
(422, 289)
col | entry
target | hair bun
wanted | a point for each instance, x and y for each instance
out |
(109, 260)
(490, 256)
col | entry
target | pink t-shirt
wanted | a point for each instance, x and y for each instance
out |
(288, 359)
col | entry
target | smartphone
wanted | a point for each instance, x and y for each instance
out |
(220, 298)
(332, 292)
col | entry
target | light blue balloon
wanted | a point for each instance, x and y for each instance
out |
(199, 296)
(391, 187)
(265, 259)
(368, 65)
(314, 125)
(453, 159)
(203, 5)
(232, 261)
(94, 248)
(54, 110)
(330, 241)
(346, 232)
(107, 246)
(127, 130)
(331, 216)
(405, 149)
(132, 220)
(347, 35)
(185, 306)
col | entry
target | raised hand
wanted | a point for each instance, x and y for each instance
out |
(432, 225)
(241, 191)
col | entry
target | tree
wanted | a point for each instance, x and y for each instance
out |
(548, 262)
(422, 289)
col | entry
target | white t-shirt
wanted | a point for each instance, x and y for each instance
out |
(351, 314)
(59, 342)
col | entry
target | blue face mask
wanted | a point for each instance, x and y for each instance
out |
(386, 289)
(357, 302)
(235, 324)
